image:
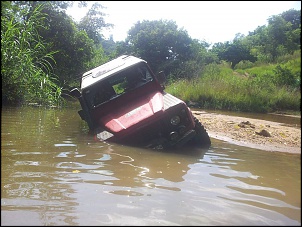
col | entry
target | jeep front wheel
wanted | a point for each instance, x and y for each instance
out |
(202, 138)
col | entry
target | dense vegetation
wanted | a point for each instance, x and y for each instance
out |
(44, 52)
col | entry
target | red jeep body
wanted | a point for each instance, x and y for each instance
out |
(123, 101)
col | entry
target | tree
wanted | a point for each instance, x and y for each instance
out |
(76, 51)
(200, 57)
(277, 28)
(160, 43)
(293, 41)
(74, 48)
(281, 36)
(234, 52)
(109, 46)
(93, 23)
(292, 16)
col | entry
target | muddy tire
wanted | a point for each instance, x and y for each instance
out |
(202, 138)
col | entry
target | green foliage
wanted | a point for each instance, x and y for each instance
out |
(234, 52)
(109, 46)
(289, 57)
(160, 43)
(44, 53)
(281, 36)
(294, 64)
(74, 48)
(284, 76)
(244, 65)
(93, 22)
(75, 51)
(25, 64)
(99, 57)
(200, 57)
(257, 89)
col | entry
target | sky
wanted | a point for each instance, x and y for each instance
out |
(210, 21)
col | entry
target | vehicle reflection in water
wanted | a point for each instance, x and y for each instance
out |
(54, 173)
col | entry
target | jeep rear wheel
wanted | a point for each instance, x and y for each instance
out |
(202, 138)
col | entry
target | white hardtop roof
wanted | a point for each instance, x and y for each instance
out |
(107, 69)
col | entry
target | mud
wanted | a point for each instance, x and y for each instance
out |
(254, 133)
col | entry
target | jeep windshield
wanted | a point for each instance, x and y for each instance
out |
(117, 84)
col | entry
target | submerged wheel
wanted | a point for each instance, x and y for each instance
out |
(202, 138)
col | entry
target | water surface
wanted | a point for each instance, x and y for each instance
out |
(54, 173)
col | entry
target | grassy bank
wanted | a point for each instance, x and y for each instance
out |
(250, 87)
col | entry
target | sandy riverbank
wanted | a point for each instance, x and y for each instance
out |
(254, 133)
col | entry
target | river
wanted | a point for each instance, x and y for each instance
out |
(54, 173)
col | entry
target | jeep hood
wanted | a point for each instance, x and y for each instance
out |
(136, 111)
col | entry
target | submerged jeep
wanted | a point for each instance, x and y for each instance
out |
(124, 102)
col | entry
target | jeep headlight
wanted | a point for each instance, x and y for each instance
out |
(175, 120)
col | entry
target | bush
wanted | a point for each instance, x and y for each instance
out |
(25, 65)
(267, 88)
(284, 76)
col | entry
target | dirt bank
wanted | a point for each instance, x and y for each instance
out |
(254, 133)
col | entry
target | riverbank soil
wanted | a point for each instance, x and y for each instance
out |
(254, 133)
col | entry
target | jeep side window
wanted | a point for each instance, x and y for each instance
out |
(133, 80)
(103, 94)
(144, 74)
(136, 77)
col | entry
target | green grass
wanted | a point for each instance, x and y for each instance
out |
(255, 89)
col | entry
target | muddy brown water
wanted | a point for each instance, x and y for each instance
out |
(54, 173)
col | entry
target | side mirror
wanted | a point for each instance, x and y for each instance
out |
(75, 93)
(161, 77)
